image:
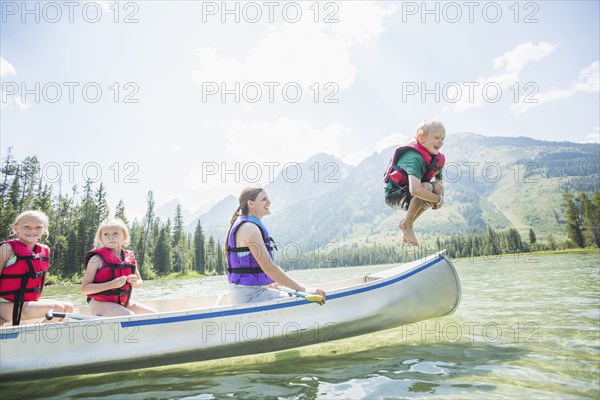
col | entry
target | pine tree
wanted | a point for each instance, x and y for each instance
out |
(30, 168)
(515, 244)
(199, 255)
(13, 206)
(219, 265)
(101, 204)
(43, 199)
(9, 168)
(574, 220)
(178, 229)
(211, 259)
(532, 238)
(593, 214)
(87, 224)
(148, 218)
(120, 212)
(591, 218)
(162, 253)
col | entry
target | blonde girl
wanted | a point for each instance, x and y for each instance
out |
(111, 273)
(24, 263)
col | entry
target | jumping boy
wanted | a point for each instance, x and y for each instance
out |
(408, 179)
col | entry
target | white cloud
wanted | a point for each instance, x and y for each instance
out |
(354, 158)
(587, 82)
(394, 139)
(358, 23)
(593, 137)
(305, 52)
(104, 5)
(6, 68)
(521, 55)
(21, 104)
(283, 140)
(485, 90)
(257, 153)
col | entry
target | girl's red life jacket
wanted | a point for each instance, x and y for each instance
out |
(24, 280)
(398, 175)
(113, 267)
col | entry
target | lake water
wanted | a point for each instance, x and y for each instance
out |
(527, 327)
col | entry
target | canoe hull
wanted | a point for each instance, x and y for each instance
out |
(424, 289)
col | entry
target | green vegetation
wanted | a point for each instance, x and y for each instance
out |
(519, 195)
(161, 248)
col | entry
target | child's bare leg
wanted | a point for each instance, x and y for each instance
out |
(416, 207)
(140, 308)
(108, 309)
(6, 309)
(38, 309)
(406, 224)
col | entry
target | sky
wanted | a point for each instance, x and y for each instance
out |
(195, 100)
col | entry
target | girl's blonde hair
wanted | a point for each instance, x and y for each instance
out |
(111, 223)
(431, 125)
(32, 214)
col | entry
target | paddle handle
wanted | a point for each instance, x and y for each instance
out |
(56, 314)
(306, 296)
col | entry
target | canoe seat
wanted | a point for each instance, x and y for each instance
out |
(373, 277)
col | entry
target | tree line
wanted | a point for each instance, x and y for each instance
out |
(583, 218)
(164, 247)
(161, 247)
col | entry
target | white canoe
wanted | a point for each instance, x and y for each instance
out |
(205, 328)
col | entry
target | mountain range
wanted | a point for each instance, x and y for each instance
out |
(501, 182)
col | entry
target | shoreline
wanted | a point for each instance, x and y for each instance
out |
(53, 281)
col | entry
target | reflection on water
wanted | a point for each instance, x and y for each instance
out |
(523, 330)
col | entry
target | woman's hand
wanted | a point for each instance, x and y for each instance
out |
(319, 292)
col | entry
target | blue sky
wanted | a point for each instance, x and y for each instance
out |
(142, 95)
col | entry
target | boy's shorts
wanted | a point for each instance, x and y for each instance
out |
(398, 199)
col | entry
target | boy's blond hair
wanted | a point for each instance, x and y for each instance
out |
(430, 125)
(32, 214)
(111, 223)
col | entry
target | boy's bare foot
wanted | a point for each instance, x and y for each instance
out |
(409, 234)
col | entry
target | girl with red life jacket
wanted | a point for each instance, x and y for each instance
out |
(23, 266)
(252, 274)
(408, 178)
(111, 273)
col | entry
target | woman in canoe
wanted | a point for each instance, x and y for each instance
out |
(252, 274)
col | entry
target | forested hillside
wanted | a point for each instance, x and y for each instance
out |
(502, 195)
